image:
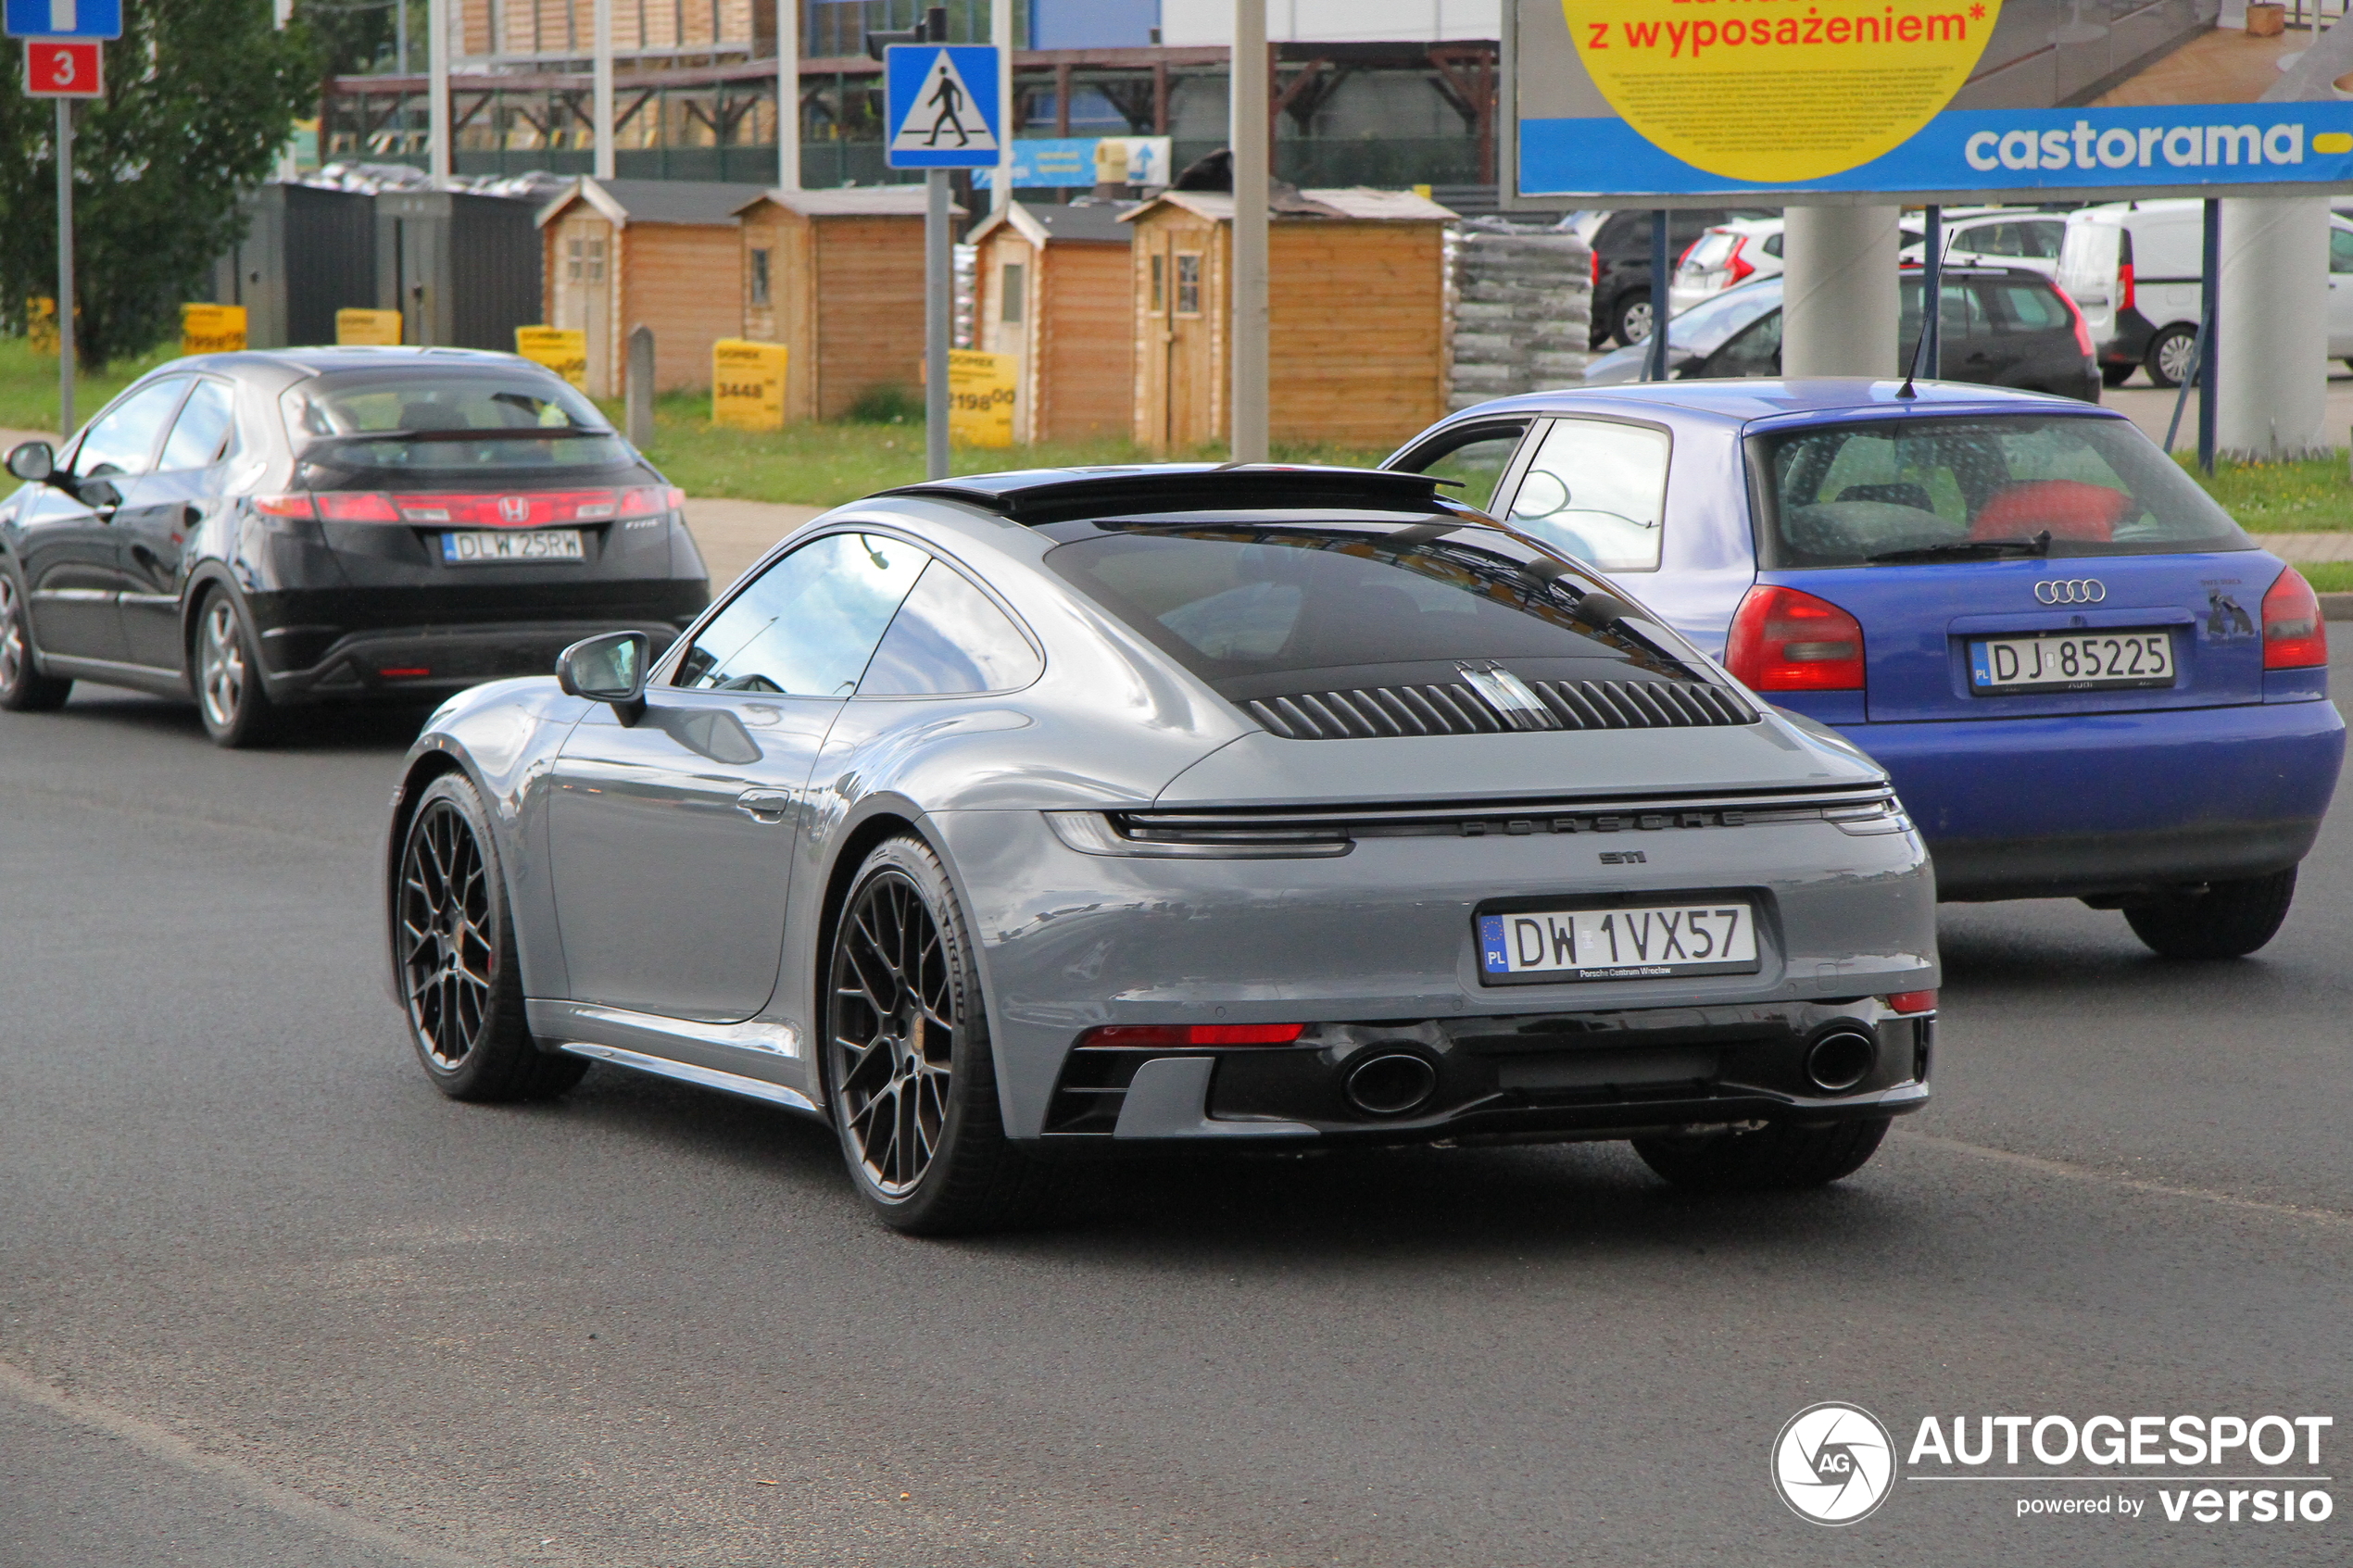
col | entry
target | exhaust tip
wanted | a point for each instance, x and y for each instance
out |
(1390, 1084)
(1841, 1060)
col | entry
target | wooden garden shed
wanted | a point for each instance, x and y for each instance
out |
(660, 253)
(838, 277)
(1358, 340)
(1052, 287)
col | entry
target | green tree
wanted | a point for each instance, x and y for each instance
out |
(201, 95)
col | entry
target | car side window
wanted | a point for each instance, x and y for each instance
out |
(949, 638)
(1596, 490)
(2022, 308)
(121, 442)
(1477, 456)
(1754, 350)
(807, 625)
(2040, 241)
(2341, 250)
(200, 435)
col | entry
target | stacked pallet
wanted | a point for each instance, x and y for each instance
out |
(1524, 302)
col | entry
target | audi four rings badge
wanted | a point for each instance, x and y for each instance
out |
(2071, 591)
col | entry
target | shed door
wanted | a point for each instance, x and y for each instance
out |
(582, 302)
(1178, 366)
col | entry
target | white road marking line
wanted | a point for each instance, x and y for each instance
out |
(230, 1475)
(2037, 1163)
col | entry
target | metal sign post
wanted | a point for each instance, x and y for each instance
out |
(942, 111)
(62, 60)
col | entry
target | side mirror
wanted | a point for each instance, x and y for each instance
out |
(34, 462)
(607, 669)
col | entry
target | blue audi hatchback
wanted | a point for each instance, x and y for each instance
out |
(2086, 681)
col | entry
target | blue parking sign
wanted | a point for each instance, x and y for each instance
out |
(65, 18)
(939, 106)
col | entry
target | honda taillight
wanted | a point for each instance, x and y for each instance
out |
(1737, 267)
(2295, 637)
(356, 506)
(1783, 640)
(2124, 286)
(1134, 1036)
(652, 500)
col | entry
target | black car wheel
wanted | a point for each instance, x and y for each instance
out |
(23, 688)
(237, 712)
(1777, 1157)
(907, 1057)
(456, 946)
(2229, 920)
(1633, 323)
(2170, 355)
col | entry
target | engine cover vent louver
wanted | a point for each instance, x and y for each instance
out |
(1455, 708)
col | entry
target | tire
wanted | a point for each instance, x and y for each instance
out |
(23, 688)
(1778, 1158)
(456, 971)
(2229, 920)
(2116, 375)
(1630, 322)
(2168, 357)
(910, 1080)
(237, 711)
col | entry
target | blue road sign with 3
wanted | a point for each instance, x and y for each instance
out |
(940, 105)
(65, 18)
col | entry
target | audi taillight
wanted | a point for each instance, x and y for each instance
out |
(1164, 1035)
(1783, 640)
(2295, 637)
(1737, 267)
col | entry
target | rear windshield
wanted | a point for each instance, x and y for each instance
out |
(441, 424)
(1262, 609)
(1927, 489)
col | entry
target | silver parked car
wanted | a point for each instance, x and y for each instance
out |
(1002, 819)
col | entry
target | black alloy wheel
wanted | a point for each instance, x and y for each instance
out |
(914, 1090)
(237, 711)
(23, 688)
(2224, 919)
(456, 951)
(1775, 1158)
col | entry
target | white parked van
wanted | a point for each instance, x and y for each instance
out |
(2136, 270)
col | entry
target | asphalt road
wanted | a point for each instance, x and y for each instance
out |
(265, 1298)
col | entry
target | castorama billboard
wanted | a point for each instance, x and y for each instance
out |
(1949, 99)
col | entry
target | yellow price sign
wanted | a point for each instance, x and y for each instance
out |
(748, 383)
(212, 329)
(41, 325)
(367, 328)
(560, 349)
(1778, 91)
(981, 388)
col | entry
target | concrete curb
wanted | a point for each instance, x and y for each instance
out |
(2337, 607)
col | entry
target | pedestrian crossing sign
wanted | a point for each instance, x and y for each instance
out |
(940, 104)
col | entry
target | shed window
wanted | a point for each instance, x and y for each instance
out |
(574, 270)
(596, 261)
(759, 277)
(1160, 284)
(1188, 284)
(1009, 302)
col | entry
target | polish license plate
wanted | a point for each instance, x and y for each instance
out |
(537, 544)
(1649, 942)
(2077, 661)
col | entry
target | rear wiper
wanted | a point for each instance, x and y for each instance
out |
(1971, 549)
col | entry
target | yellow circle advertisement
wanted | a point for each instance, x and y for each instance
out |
(1778, 91)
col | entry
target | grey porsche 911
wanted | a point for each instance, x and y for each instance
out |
(1006, 820)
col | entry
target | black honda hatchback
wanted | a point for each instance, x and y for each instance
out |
(265, 530)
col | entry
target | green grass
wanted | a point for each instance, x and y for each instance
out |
(823, 465)
(28, 384)
(2328, 576)
(2312, 496)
